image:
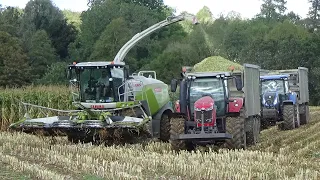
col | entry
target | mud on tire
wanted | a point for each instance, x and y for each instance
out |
(165, 128)
(305, 117)
(252, 137)
(235, 126)
(177, 127)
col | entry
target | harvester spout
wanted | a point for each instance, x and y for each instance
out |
(136, 38)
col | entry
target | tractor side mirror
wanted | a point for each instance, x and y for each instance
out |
(238, 83)
(174, 85)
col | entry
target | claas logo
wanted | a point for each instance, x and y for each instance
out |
(157, 89)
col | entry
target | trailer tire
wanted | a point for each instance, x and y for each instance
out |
(177, 127)
(305, 117)
(165, 127)
(289, 114)
(235, 127)
(252, 137)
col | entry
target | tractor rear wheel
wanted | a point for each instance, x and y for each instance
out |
(252, 137)
(235, 127)
(305, 118)
(165, 128)
(289, 114)
(177, 127)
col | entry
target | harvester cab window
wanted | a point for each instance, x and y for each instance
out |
(208, 86)
(96, 86)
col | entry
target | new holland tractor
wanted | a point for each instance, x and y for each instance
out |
(110, 104)
(219, 108)
(284, 98)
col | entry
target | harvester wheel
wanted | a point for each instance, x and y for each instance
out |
(177, 127)
(252, 137)
(305, 118)
(165, 128)
(235, 126)
(289, 114)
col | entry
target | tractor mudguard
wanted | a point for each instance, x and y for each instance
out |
(292, 99)
(155, 126)
(287, 102)
(235, 104)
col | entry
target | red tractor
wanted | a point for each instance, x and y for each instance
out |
(220, 108)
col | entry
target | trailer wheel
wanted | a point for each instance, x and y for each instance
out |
(305, 118)
(252, 137)
(165, 128)
(177, 127)
(289, 114)
(235, 126)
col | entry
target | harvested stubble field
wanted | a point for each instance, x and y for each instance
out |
(280, 155)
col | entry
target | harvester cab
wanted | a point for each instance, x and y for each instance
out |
(217, 108)
(285, 97)
(108, 100)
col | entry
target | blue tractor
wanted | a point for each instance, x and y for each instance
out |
(285, 98)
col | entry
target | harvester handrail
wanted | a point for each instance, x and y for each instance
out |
(53, 109)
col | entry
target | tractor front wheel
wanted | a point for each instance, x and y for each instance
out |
(289, 114)
(177, 127)
(235, 127)
(165, 128)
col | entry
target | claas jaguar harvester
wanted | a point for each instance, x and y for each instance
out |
(110, 103)
(285, 98)
(220, 108)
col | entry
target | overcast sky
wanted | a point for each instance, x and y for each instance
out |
(247, 8)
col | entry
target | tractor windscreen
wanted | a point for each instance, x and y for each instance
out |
(277, 85)
(208, 86)
(100, 84)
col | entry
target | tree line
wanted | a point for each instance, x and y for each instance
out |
(37, 42)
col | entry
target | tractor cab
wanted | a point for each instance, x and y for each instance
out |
(203, 97)
(96, 82)
(273, 90)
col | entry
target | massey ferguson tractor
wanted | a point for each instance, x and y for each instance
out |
(284, 98)
(109, 103)
(220, 108)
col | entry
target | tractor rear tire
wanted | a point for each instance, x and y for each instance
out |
(289, 114)
(235, 127)
(252, 137)
(305, 117)
(165, 128)
(177, 127)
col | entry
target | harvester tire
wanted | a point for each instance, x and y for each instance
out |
(305, 117)
(177, 127)
(165, 128)
(235, 126)
(252, 137)
(289, 119)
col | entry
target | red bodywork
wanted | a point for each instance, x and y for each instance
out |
(205, 103)
(235, 104)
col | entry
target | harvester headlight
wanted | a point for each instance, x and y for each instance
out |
(193, 77)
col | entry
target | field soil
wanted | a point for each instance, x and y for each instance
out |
(291, 154)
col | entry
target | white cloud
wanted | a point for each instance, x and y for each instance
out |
(247, 8)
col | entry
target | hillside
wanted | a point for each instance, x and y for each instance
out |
(280, 155)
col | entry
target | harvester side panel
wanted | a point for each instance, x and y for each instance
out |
(251, 86)
(303, 85)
